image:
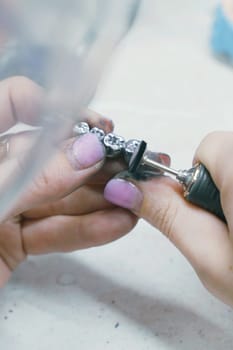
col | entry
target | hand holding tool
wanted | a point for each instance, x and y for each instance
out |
(198, 185)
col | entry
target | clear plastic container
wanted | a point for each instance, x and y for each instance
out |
(62, 46)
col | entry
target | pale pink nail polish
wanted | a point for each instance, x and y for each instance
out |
(86, 151)
(124, 194)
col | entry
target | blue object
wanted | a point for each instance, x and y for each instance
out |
(222, 36)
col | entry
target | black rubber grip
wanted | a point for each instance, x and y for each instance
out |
(204, 193)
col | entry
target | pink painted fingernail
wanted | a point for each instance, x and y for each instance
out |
(86, 151)
(124, 194)
(165, 159)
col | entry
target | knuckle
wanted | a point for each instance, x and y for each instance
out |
(17, 82)
(21, 165)
(12, 250)
(45, 186)
(43, 179)
(41, 182)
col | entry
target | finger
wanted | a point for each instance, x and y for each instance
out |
(21, 100)
(11, 250)
(67, 171)
(199, 235)
(215, 152)
(110, 168)
(85, 200)
(22, 142)
(116, 166)
(5, 273)
(68, 233)
(97, 120)
(20, 145)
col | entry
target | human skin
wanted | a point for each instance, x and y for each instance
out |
(64, 213)
(63, 208)
(203, 239)
(228, 8)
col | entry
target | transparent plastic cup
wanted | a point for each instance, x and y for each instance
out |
(60, 47)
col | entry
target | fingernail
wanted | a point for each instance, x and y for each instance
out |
(160, 157)
(106, 124)
(164, 158)
(124, 194)
(86, 151)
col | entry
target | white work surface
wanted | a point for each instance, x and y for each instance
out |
(139, 292)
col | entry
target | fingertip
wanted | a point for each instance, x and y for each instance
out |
(124, 194)
(98, 120)
(85, 152)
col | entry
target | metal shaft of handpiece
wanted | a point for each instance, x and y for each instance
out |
(153, 164)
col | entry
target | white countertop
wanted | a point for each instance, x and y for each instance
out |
(139, 292)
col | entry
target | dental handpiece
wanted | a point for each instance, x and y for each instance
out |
(199, 188)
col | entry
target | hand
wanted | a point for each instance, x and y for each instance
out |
(205, 240)
(63, 209)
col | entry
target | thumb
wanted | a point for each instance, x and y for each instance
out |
(199, 235)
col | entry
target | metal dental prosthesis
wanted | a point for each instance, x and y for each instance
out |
(115, 145)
